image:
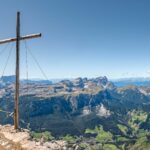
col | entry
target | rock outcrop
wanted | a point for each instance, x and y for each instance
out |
(11, 139)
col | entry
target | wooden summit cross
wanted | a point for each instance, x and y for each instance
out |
(17, 40)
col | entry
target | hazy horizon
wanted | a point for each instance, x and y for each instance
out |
(71, 78)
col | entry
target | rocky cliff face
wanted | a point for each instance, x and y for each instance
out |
(72, 106)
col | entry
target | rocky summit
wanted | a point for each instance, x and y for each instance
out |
(80, 107)
(11, 139)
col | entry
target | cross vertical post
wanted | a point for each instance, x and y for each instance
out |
(16, 112)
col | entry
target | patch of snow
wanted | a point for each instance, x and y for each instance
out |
(143, 92)
(105, 86)
(86, 86)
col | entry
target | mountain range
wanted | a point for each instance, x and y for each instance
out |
(81, 107)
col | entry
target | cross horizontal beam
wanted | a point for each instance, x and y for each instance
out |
(31, 36)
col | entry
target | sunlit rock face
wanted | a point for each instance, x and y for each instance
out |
(102, 111)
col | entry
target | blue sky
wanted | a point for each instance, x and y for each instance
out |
(86, 38)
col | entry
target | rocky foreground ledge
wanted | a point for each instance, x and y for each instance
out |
(21, 140)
